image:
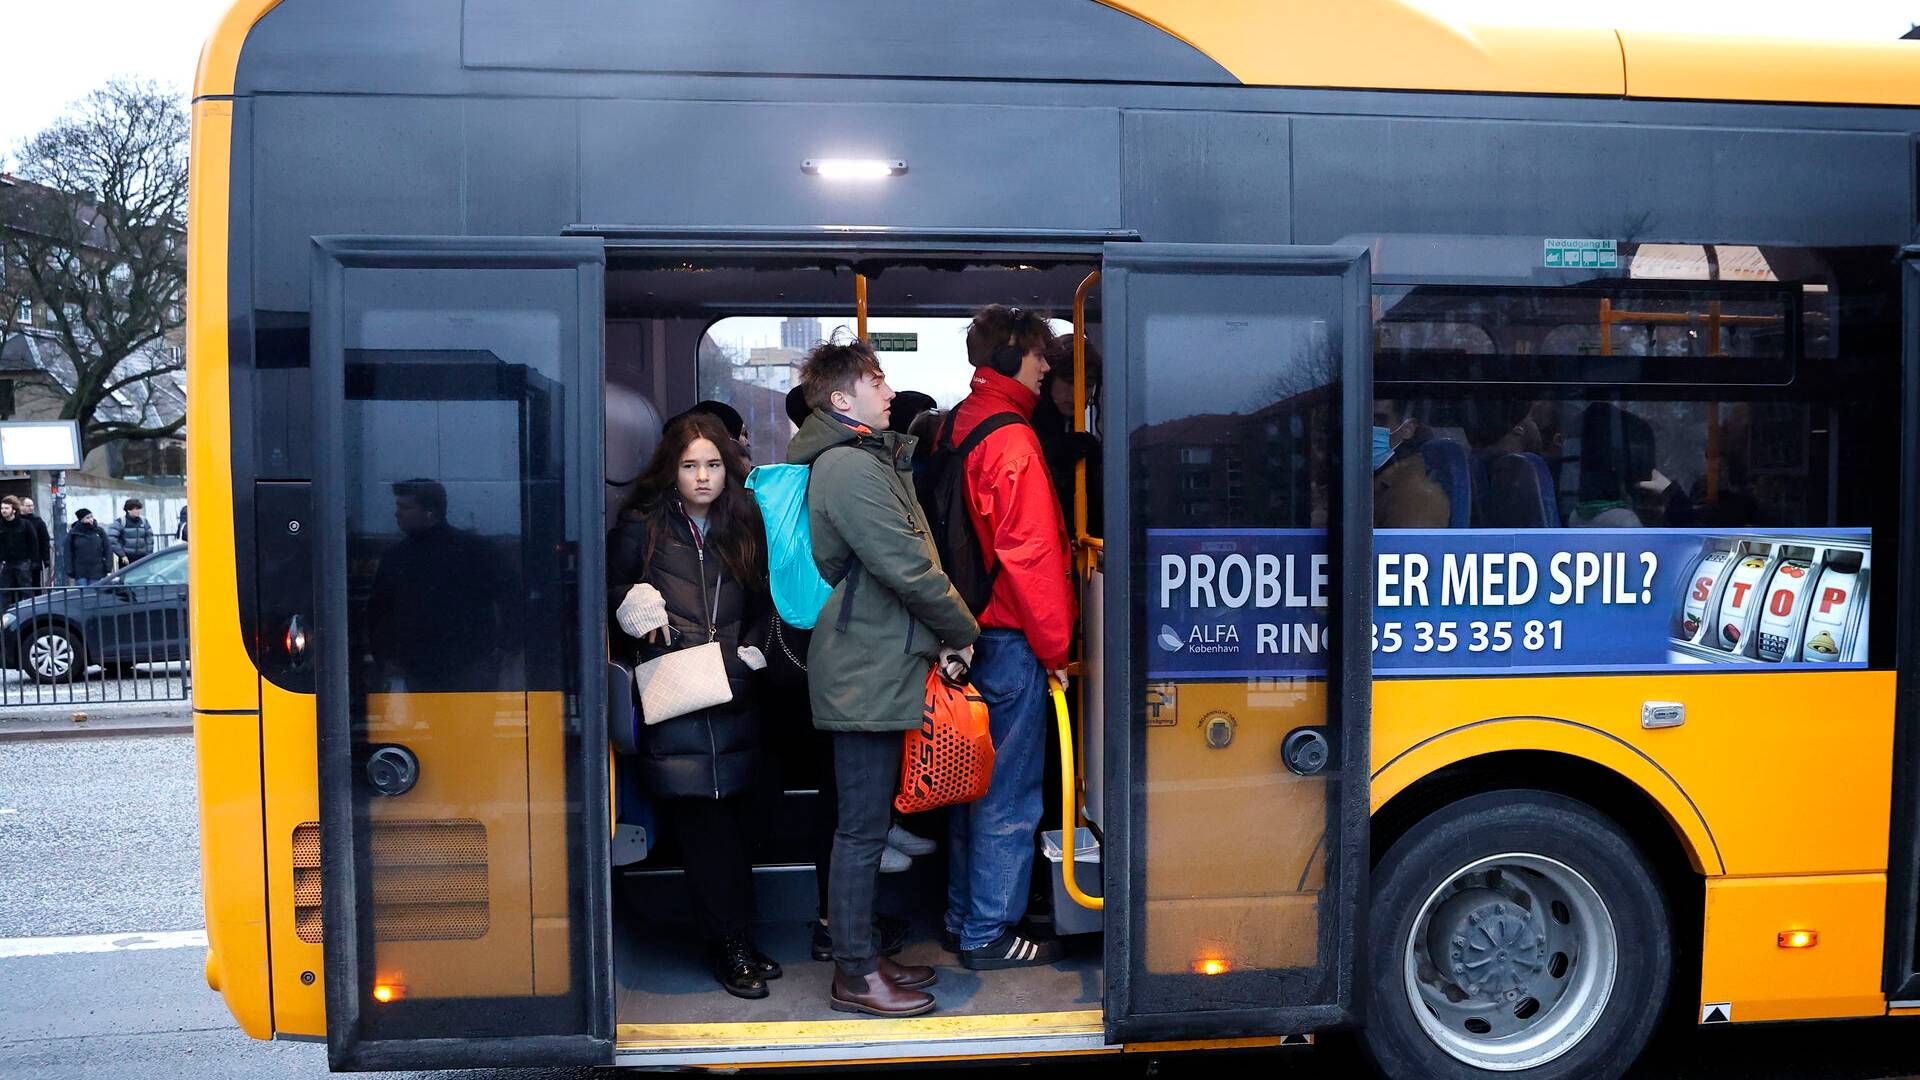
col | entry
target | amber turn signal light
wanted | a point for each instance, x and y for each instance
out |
(1799, 939)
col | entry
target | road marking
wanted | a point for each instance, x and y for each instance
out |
(11, 948)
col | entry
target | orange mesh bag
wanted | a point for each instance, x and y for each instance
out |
(950, 758)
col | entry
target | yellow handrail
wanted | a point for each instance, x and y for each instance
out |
(860, 305)
(1067, 823)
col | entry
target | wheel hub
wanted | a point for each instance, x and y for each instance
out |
(1510, 961)
(1487, 945)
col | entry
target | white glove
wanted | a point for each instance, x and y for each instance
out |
(752, 657)
(956, 664)
(642, 612)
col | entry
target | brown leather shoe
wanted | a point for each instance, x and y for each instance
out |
(875, 995)
(908, 976)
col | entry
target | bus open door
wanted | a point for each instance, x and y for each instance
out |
(1236, 632)
(461, 640)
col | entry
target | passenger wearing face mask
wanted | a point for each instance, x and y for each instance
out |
(1405, 496)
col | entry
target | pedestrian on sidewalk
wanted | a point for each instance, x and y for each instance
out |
(89, 551)
(18, 546)
(131, 534)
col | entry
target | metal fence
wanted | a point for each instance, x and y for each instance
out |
(93, 644)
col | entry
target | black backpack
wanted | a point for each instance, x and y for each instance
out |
(943, 494)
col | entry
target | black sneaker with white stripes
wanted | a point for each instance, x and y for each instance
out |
(1011, 950)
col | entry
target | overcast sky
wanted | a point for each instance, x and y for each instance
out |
(59, 51)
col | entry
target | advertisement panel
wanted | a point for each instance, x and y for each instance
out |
(1254, 602)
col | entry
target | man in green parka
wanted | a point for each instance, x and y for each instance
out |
(892, 613)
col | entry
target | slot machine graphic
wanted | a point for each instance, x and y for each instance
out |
(1700, 584)
(1836, 619)
(1781, 615)
(1783, 599)
(1739, 601)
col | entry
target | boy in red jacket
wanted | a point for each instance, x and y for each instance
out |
(1025, 631)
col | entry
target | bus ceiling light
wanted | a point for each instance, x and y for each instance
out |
(1799, 939)
(852, 168)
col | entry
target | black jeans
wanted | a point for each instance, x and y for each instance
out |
(866, 772)
(16, 581)
(713, 852)
(826, 818)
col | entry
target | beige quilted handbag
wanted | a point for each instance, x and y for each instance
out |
(683, 681)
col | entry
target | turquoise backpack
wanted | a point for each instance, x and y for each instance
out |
(799, 592)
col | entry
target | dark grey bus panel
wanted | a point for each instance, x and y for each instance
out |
(738, 163)
(1003, 39)
(1644, 181)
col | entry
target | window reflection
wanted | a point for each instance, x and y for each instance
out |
(1654, 406)
(435, 614)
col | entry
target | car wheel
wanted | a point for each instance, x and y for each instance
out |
(52, 654)
(1514, 934)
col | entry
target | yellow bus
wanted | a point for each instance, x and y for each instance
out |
(1503, 436)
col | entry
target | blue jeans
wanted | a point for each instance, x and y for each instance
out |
(991, 842)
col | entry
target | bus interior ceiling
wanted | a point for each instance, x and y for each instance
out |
(659, 311)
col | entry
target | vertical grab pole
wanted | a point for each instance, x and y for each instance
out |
(860, 305)
(1083, 555)
(1080, 412)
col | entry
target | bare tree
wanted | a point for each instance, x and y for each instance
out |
(96, 236)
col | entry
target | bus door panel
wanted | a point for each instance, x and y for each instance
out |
(1902, 965)
(459, 643)
(1236, 652)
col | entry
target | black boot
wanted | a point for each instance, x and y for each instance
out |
(769, 967)
(737, 969)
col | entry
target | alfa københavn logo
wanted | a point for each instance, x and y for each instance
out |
(1201, 639)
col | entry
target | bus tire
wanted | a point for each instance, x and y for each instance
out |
(1551, 932)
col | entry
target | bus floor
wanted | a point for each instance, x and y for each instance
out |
(662, 975)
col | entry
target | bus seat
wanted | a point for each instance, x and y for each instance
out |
(1447, 464)
(634, 827)
(1519, 494)
(623, 716)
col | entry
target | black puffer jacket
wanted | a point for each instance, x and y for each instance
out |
(713, 753)
(89, 554)
(19, 544)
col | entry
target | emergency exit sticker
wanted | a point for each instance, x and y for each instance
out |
(1582, 254)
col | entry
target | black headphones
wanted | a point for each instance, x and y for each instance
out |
(1008, 357)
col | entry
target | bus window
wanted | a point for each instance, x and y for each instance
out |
(750, 362)
(1720, 421)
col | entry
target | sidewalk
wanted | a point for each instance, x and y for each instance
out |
(81, 720)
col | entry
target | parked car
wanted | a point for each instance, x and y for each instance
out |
(136, 615)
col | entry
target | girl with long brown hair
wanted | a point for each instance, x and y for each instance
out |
(686, 564)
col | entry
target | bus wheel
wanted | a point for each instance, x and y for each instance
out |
(1515, 933)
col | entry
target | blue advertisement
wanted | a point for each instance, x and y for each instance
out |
(1232, 603)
